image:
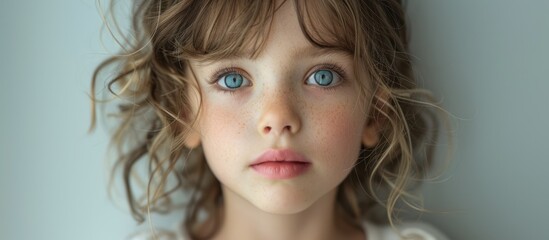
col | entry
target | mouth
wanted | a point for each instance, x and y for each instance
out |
(280, 164)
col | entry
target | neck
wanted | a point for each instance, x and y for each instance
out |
(242, 220)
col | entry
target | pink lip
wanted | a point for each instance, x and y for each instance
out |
(280, 164)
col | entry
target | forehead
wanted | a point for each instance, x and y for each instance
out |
(236, 30)
(285, 37)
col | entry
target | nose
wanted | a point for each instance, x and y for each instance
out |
(279, 115)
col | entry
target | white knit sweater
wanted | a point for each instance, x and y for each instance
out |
(411, 230)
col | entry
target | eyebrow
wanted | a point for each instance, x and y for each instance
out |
(309, 51)
(314, 51)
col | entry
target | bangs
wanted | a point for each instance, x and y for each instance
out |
(218, 29)
(330, 23)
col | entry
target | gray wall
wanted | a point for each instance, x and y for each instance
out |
(486, 59)
(488, 62)
(52, 180)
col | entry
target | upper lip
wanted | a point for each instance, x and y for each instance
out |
(280, 155)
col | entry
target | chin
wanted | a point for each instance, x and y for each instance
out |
(282, 206)
(285, 202)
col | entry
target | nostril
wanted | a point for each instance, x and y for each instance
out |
(267, 129)
(287, 128)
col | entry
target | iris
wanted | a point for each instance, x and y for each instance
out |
(233, 80)
(323, 77)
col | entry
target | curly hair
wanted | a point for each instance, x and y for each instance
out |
(155, 115)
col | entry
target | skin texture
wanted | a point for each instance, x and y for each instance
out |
(279, 107)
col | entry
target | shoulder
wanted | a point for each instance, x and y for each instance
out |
(157, 234)
(413, 230)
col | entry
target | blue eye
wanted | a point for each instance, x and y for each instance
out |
(323, 78)
(232, 81)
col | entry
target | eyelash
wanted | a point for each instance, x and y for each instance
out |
(332, 67)
(232, 69)
(223, 72)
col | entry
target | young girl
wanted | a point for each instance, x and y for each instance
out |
(278, 119)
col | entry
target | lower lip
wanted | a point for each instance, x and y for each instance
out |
(281, 170)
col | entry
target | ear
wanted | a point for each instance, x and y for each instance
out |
(370, 136)
(192, 140)
(193, 137)
(376, 120)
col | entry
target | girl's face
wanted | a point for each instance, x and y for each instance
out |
(293, 97)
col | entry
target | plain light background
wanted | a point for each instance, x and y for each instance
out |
(486, 59)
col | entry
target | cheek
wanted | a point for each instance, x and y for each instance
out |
(219, 123)
(223, 119)
(339, 130)
(221, 129)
